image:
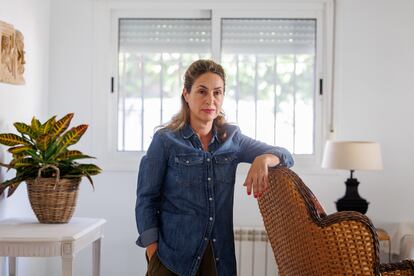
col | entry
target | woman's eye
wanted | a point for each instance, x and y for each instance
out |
(218, 92)
(201, 91)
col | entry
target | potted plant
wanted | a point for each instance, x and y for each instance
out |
(42, 159)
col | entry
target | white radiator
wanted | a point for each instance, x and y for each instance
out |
(253, 252)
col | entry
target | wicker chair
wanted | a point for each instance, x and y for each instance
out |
(306, 241)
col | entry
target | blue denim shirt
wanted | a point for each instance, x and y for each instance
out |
(185, 196)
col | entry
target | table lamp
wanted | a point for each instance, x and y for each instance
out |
(352, 155)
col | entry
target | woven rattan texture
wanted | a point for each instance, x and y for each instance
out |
(53, 203)
(405, 268)
(307, 242)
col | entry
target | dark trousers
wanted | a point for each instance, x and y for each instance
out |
(207, 265)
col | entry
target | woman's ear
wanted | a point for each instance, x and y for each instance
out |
(185, 95)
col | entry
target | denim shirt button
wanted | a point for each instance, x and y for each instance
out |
(210, 198)
(208, 159)
(217, 259)
(211, 218)
(214, 240)
(198, 257)
(206, 239)
(209, 178)
(187, 161)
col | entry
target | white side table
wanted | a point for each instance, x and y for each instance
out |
(29, 238)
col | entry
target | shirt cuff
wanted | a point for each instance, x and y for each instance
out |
(147, 237)
(286, 159)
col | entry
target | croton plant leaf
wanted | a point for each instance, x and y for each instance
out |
(10, 139)
(25, 129)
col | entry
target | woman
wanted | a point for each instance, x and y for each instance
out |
(184, 209)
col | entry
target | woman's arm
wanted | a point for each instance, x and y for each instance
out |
(251, 148)
(150, 178)
(262, 156)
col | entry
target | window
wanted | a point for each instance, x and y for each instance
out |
(277, 59)
(153, 56)
(270, 65)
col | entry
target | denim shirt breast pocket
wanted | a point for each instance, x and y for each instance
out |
(189, 168)
(225, 167)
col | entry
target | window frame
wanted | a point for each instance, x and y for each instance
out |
(106, 20)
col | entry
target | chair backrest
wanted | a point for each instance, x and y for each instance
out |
(306, 241)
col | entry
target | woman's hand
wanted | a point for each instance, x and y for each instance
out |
(151, 250)
(257, 177)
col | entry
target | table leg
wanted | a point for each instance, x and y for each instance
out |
(67, 266)
(96, 258)
(389, 251)
(12, 266)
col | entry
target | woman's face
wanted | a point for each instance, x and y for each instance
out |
(205, 98)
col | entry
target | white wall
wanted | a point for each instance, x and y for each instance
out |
(21, 102)
(374, 91)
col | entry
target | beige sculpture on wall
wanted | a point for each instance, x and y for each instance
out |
(11, 54)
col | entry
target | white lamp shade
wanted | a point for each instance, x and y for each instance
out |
(352, 155)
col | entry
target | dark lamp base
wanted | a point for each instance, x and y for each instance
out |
(352, 201)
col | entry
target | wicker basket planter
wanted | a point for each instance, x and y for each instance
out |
(53, 200)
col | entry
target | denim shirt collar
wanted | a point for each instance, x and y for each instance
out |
(187, 132)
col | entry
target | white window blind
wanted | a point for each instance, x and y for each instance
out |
(269, 36)
(165, 35)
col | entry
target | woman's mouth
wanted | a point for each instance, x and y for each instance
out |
(208, 110)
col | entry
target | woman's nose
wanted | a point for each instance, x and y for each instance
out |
(210, 99)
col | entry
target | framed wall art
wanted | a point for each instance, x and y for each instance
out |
(12, 53)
